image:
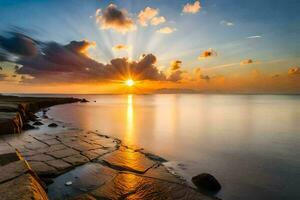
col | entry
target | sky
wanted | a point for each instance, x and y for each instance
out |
(80, 46)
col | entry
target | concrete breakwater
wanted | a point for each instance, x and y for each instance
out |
(15, 111)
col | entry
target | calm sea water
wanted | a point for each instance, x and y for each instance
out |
(251, 143)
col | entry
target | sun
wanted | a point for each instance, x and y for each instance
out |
(129, 82)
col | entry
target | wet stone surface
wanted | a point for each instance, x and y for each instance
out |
(52, 154)
(89, 165)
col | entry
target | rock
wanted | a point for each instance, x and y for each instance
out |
(84, 101)
(32, 116)
(37, 123)
(27, 127)
(206, 182)
(53, 125)
(68, 183)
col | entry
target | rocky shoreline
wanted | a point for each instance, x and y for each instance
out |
(16, 111)
(75, 164)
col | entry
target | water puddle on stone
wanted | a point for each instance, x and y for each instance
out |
(80, 180)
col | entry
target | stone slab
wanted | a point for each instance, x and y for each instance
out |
(13, 170)
(131, 186)
(63, 153)
(128, 160)
(76, 159)
(59, 164)
(24, 187)
(42, 169)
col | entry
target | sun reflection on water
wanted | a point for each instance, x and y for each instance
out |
(130, 120)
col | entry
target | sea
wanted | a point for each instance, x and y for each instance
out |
(250, 143)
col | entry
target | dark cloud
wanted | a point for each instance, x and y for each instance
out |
(18, 44)
(54, 62)
(80, 46)
(113, 18)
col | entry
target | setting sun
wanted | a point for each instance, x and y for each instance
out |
(129, 82)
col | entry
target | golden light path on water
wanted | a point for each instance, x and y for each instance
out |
(130, 120)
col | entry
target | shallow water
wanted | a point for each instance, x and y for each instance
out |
(249, 142)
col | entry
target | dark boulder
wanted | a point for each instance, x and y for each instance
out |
(32, 117)
(53, 125)
(206, 182)
(27, 127)
(37, 123)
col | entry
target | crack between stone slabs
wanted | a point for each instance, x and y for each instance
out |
(41, 141)
(123, 168)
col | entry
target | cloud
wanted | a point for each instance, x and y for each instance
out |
(175, 73)
(199, 75)
(113, 18)
(80, 46)
(294, 71)
(246, 62)
(150, 15)
(192, 8)
(157, 20)
(121, 47)
(254, 37)
(69, 64)
(226, 23)
(146, 15)
(207, 54)
(176, 64)
(166, 30)
(18, 44)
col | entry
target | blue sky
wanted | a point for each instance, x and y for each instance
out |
(224, 26)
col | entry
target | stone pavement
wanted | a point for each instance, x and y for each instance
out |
(109, 169)
(18, 180)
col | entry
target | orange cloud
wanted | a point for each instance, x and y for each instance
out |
(157, 20)
(146, 15)
(113, 18)
(150, 15)
(207, 54)
(166, 30)
(121, 47)
(176, 64)
(81, 46)
(198, 75)
(294, 71)
(192, 8)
